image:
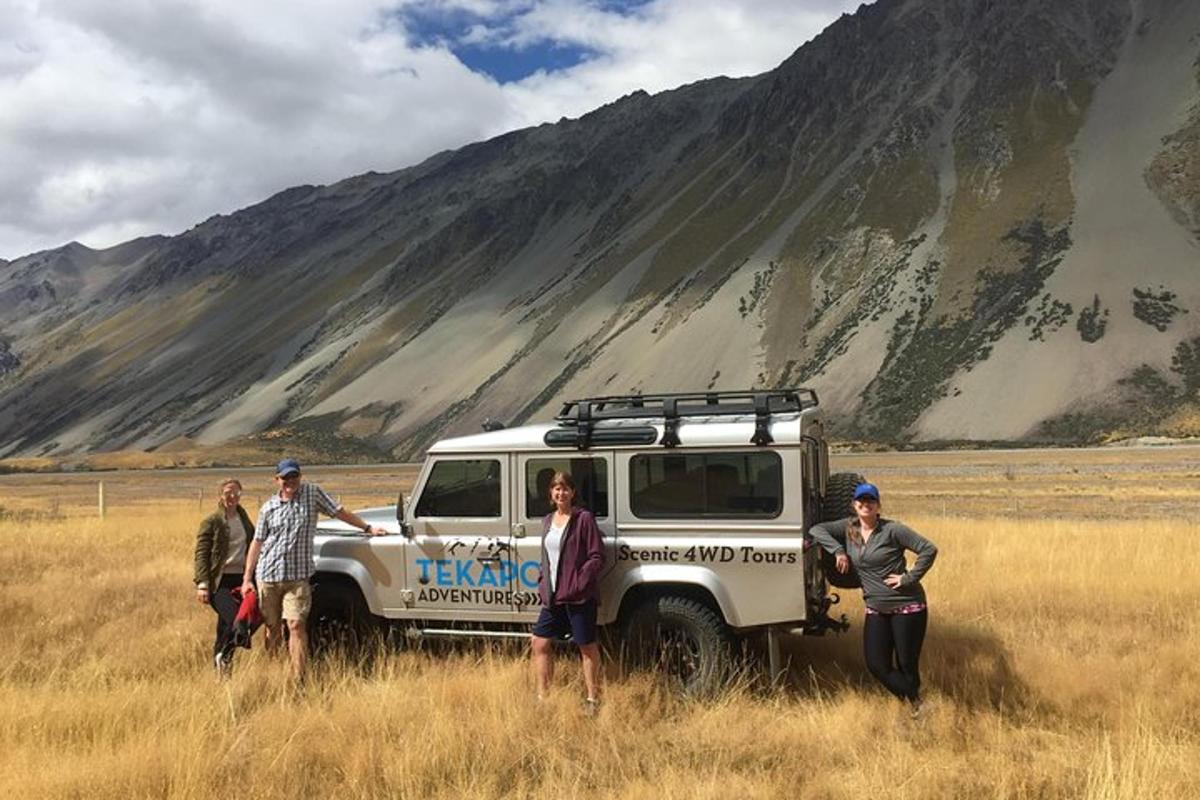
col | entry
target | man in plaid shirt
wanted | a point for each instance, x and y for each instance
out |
(282, 552)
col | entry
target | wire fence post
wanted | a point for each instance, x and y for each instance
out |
(100, 498)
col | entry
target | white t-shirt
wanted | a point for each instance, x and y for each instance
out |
(553, 543)
(235, 562)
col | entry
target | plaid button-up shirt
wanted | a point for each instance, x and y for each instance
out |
(286, 529)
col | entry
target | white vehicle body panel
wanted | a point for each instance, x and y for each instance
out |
(485, 569)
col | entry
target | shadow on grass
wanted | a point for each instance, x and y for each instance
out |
(971, 667)
(968, 666)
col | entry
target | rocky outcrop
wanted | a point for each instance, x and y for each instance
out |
(8, 359)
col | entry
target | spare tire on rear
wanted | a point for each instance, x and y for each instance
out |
(835, 505)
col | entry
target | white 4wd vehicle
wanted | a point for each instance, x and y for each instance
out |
(703, 499)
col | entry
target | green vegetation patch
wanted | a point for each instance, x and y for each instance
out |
(872, 303)
(1186, 364)
(1151, 397)
(923, 356)
(1013, 165)
(1156, 308)
(747, 303)
(900, 196)
(319, 439)
(1174, 173)
(1092, 321)
(1050, 315)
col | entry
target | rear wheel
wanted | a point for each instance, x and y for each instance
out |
(835, 505)
(839, 491)
(684, 640)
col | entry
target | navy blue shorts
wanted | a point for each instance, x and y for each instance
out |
(577, 619)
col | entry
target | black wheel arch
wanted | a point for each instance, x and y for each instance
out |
(339, 597)
(641, 593)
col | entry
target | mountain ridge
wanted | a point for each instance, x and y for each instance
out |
(913, 213)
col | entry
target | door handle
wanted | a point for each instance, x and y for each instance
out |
(518, 531)
(488, 559)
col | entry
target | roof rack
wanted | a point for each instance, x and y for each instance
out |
(583, 414)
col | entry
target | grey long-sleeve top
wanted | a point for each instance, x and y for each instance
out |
(882, 555)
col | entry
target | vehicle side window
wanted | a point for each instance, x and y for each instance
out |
(468, 488)
(706, 485)
(591, 484)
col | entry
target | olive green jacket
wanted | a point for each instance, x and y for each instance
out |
(212, 546)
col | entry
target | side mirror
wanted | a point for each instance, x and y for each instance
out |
(400, 514)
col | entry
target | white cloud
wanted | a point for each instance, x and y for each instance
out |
(129, 117)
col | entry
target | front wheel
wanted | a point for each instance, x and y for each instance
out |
(685, 641)
(339, 620)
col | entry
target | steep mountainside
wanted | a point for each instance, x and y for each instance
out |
(956, 219)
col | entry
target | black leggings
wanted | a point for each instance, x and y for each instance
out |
(892, 646)
(226, 605)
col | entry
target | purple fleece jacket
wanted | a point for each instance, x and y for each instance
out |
(579, 561)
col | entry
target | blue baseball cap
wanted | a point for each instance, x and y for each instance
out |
(866, 490)
(287, 467)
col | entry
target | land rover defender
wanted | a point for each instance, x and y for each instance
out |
(703, 499)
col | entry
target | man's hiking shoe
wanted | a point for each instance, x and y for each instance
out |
(591, 707)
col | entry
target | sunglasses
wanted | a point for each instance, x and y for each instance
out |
(866, 499)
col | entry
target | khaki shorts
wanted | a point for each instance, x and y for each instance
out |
(286, 599)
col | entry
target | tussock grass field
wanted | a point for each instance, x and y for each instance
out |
(1063, 660)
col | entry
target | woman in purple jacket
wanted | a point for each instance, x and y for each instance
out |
(572, 557)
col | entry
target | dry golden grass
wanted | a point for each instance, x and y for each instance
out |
(1063, 660)
(250, 451)
(76, 494)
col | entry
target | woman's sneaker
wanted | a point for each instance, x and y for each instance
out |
(224, 665)
(918, 709)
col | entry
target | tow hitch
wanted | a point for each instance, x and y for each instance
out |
(822, 622)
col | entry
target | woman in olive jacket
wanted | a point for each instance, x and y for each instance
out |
(221, 545)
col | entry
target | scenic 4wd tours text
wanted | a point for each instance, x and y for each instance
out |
(701, 554)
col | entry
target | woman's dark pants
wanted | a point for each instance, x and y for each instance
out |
(892, 645)
(226, 606)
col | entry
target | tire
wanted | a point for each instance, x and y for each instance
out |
(685, 641)
(339, 620)
(835, 505)
(839, 491)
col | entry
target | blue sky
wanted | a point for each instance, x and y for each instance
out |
(483, 39)
(124, 118)
(508, 65)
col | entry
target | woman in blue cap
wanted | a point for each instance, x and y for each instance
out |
(897, 615)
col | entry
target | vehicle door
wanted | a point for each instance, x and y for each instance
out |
(460, 538)
(593, 475)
